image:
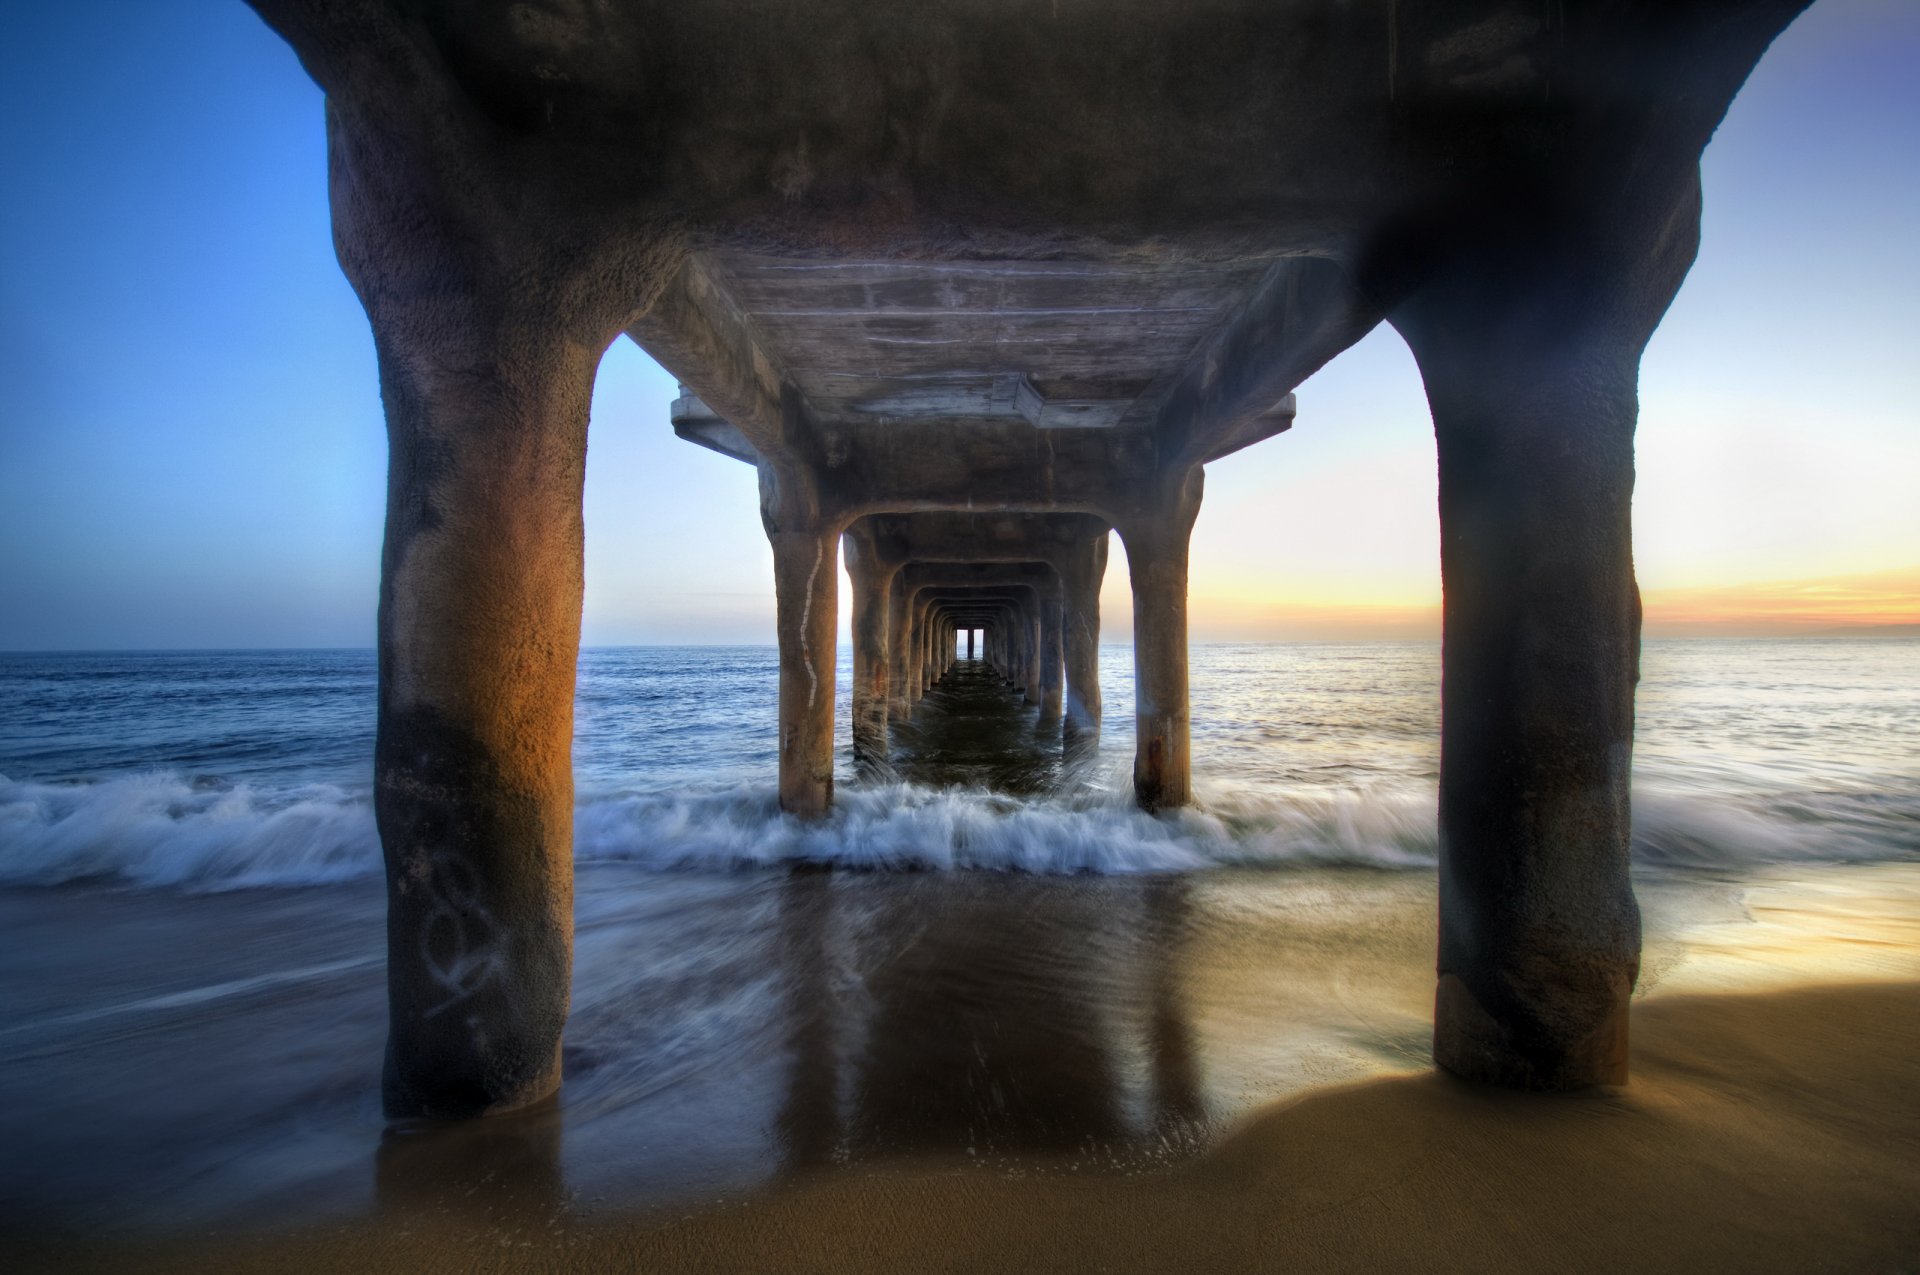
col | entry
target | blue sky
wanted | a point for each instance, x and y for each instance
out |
(192, 454)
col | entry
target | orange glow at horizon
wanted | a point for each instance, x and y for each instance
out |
(1787, 607)
(1783, 608)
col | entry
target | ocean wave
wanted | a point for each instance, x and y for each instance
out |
(1678, 828)
(900, 825)
(159, 828)
(162, 829)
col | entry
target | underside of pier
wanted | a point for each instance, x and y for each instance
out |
(974, 283)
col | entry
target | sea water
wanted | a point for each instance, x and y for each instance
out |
(227, 769)
(192, 999)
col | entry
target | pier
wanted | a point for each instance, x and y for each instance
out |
(974, 286)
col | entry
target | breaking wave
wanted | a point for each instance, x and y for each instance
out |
(161, 829)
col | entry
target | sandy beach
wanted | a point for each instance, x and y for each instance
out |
(1762, 1131)
(1163, 1074)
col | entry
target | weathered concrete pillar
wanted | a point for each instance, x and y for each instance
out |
(1530, 353)
(923, 642)
(486, 373)
(1156, 536)
(1032, 663)
(872, 581)
(1052, 655)
(930, 648)
(899, 651)
(806, 589)
(917, 639)
(1022, 635)
(1081, 573)
(932, 636)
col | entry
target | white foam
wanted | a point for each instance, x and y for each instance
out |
(155, 828)
(158, 829)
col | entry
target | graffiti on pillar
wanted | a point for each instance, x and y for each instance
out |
(462, 947)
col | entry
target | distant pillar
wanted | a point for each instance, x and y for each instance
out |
(1156, 537)
(871, 580)
(969, 643)
(807, 599)
(1031, 665)
(899, 650)
(922, 620)
(1052, 656)
(927, 649)
(1081, 571)
(1531, 363)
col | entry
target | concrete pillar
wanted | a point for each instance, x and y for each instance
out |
(924, 641)
(917, 674)
(807, 600)
(1031, 661)
(486, 372)
(1052, 656)
(1530, 356)
(872, 582)
(1156, 536)
(1021, 636)
(970, 633)
(1081, 572)
(933, 647)
(899, 656)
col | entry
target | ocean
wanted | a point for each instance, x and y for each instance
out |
(1042, 978)
(228, 769)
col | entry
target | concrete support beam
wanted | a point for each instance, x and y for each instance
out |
(1238, 388)
(1156, 534)
(696, 330)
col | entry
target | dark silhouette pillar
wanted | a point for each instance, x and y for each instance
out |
(1156, 534)
(899, 661)
(917, 642)
(970, 633)
(1052, 657)
(1530, 351)
(1081, 571)
(1030, 648)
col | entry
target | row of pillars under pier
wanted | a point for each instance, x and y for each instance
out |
(1532, 390)
(1030, 583)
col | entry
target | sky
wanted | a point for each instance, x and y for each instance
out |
(192, 452)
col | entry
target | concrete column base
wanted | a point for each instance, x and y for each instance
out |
(1474, 1045)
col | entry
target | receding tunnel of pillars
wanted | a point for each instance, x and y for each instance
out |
(1030, 583)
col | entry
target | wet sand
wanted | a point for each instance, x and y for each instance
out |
(882, 1071)
(1762, 1131)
